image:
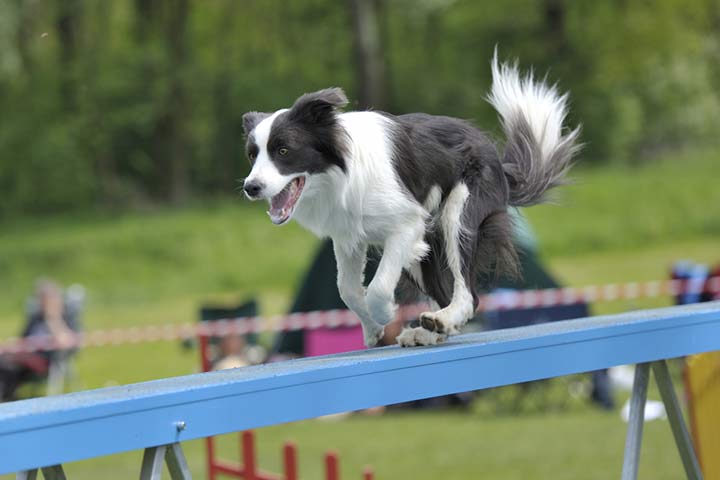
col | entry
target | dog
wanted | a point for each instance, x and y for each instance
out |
(432, 192)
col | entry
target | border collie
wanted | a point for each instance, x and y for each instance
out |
(431, 192)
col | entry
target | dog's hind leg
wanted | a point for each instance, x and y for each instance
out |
(457, 237)
(351, 268)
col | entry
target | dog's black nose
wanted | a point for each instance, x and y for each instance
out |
(252, 188)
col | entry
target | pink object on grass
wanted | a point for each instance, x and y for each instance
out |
(324, 341)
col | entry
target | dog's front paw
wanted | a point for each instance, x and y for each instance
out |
(434, 322)
(372, 338)
(381, 305)
(431, 322)
(412, 337)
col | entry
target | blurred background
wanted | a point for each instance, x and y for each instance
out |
(121, 148)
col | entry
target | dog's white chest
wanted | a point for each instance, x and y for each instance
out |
(366, 203)
(367, 219)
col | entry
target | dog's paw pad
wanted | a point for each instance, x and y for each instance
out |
(406, 338)
(412, 337)
(431, 322)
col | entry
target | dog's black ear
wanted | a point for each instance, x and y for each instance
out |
(318, 106)
(251, 119)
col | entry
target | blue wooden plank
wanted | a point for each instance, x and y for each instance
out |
(47, 431)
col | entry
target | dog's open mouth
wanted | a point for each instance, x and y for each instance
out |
(283, 204)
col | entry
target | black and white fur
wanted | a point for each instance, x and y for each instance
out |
(431, 192)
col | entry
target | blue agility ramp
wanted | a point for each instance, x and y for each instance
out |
(51, 431)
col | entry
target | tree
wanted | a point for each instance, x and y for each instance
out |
(68, 28)
(171, 134)
(369, 53)
(165, 22)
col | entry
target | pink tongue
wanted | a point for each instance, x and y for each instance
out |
(278, 201)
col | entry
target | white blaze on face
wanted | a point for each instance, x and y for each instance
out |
(264, 170)
(282, 191)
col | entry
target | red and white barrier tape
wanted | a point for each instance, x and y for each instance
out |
(503, 300)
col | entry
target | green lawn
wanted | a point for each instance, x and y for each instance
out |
(135, 263)
(140, 268)
(671, 200)
(151, 267)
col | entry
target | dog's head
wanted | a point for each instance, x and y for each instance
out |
(287, 147)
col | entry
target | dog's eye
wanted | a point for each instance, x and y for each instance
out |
(252, 156)
(283, 151)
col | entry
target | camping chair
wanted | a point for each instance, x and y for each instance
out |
(208, 358)
(210, 313)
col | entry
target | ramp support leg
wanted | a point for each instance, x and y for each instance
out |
(172, 455)
(633, 441)
(677, 422)
(54, 472)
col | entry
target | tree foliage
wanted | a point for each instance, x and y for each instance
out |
(122, 102)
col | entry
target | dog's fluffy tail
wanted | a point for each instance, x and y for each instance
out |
(537, 154)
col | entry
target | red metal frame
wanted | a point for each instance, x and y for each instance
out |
(248, 469)
(331, 466)
(290, 461)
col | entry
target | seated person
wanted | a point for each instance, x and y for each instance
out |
(50, 318)
(228, 349)
(232, 353)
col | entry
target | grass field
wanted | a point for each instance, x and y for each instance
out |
(614, 225)
(157, 266)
